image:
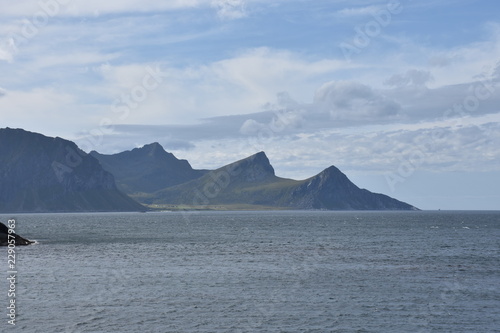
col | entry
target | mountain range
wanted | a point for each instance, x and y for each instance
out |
(248, 183)
(43, 174)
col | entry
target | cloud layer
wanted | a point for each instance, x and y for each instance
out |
(214, 80)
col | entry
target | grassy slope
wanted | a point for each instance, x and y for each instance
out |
(205, 192)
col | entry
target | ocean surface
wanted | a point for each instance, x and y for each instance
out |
(256, 272)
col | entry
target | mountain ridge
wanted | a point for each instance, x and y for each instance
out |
(252, 181)
(42, 174)
(159, 169)
(45, 174)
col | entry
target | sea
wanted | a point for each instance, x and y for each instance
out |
(269, 271)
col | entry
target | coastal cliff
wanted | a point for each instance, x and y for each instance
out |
(44, 174)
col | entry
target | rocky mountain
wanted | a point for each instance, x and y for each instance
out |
(331, 189)
(44, 174)
(147, 169)
(252, 181)
(232, 184)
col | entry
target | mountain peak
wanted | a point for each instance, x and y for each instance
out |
(332, 170)
(259, 166)
(260, 154)
(153, 149)
(154, 145)
(329, 177)
(332, 173)
(147, 169)
(153, 152)
(331, 189)
(261, 158)
(255, 167)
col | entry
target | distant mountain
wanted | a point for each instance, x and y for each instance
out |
(44, 174)
(331, 189)
(252, 181)
(231, 184)
(147, 169)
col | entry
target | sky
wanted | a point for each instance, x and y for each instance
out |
(402, 96)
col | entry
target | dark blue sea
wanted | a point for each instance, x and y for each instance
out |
(256, 272)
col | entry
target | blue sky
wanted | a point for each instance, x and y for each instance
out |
(403, 96)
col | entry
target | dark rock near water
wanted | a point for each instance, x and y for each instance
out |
(4, 237)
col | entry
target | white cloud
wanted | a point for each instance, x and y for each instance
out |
(243, 84)
(496, 73)
(252, 127)
(187, 93)
(470, 148)
(77, 59)
(359, 11)
(93, 7)
(42, 109)
(414, 77)
(439, 61)
(230, 9)
(8, 49)
(227, 9)
(347, 100)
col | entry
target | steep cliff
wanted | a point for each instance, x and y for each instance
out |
(44, 174)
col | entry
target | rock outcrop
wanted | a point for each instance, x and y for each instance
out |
(5, 240)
